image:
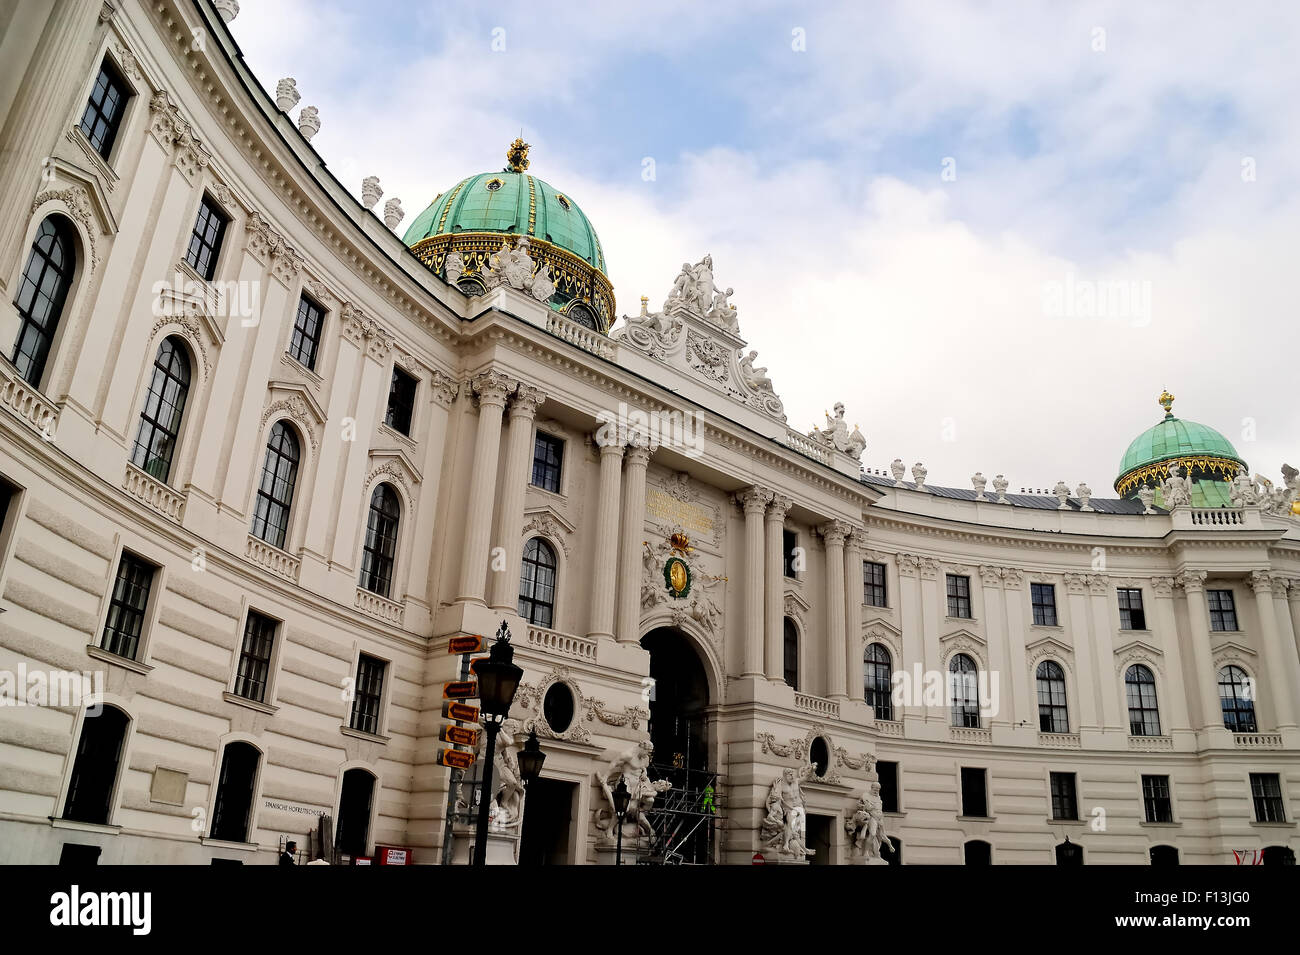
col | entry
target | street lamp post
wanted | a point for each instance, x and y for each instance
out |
(621, 799)
(498, 678)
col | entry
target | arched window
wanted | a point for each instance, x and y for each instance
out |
(877, 667)
(42, 290)
(275, 492)
(978, 852)
(353, 833)
(94, 771)
(381, 541)
(1164, 855)
(1140, 688)
(160, 418)
(537, 583)
(963, 687)
(791, 652)
(1237, 697)
(1052, 714)
(234, 806)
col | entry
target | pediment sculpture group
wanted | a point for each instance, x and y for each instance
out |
(784, 828)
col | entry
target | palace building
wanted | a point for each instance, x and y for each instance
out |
(264, 454)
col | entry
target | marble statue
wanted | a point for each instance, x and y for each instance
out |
(866, 827)
(838, 436)
(631, 766)
(679, 294)
(723, 314)
(704, 289)
(1243, 493)
(453, 267)
(919, 472)
(1062, 492)
(507, 807)
(756, 378)
(784, 826)
(1177, 490)
(898, 469)
(1084, 494)
(543, 287)
(978, 481)
(1147, 496)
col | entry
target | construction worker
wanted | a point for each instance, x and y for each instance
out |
(706, 804)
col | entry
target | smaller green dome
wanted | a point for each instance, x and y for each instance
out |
(1200, 451)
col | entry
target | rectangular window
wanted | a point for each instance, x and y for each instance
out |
(1131, 614)
(1223, 612)
(1044, 600)
(1155, 797)
(958, 596)
(369, 690)
(974, 793)
(888, 773)
(401, 401)
(789, 544)
(1064, 803)
(127, 609)
(307, 325)
(873, 584)
(205, 241)
(255, 657)
(104, 110)
(548, 460)
(1266, 789)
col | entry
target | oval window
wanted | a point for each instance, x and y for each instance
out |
(819, 754)
(557, 707)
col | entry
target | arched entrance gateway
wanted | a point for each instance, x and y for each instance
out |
(682, 732)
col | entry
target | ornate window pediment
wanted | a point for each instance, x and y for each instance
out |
(396, 465)
(298, 403)
(1048, 647)
(1139, 651)
(549, 523)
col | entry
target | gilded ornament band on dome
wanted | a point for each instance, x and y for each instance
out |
(532, 206)
(1159, 471)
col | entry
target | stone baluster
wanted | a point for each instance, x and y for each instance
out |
(514, 482)
(491, 387)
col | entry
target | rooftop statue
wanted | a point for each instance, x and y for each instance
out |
(838, 436)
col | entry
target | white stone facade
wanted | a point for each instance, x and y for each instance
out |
(491, 372)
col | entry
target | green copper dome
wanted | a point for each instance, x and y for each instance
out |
(462, 230)
(1202, 454)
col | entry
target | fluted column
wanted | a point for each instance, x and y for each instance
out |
(1103, 644)
(604, 577)
(1287, 631)
(1076, 589)
(834, 534)
(753, 501)
(1276, 661)
(853, 547)
(774, 587)
(910, 620)
(1209, 713)
(491, 387)
(999, 645)
(633, 525)
(1171, 699)
(510, 511)
(1016, 612)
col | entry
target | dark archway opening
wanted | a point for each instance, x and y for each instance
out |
(1164, 855)
(353, 833)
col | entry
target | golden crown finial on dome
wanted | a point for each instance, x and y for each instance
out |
(517, 156)
(1167, 402)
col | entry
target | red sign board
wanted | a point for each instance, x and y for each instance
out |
(455, 758)
(460, 690)
(758, 859)
(472, 643)
(460, 735)
(460, 711)
(394, 855)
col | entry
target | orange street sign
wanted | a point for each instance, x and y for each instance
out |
(455, 758)
(460, 690)
(460, 711)
(459, 735)
(473, 664)
(472, 643)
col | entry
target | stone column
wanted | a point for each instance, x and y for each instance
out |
(834, 534)
(999, 646)
(774, 587)
(1209, 714)
(514, 481)
(633, 527)
(753, 501)
(491, 387)
(853, 547)
(1171, 697)
(604, 576)
(1103, 642)
(1017, 612)
(1276, 663)
(1076, 589)
(934, 607)
(1287, 630)
(909, 621)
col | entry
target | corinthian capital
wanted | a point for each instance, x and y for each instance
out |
(1192, 581)
(778, 507)
(1262, 582)
(834, 532)
(491, 387)
(753, 500)
(525, 401)
(1163, 586)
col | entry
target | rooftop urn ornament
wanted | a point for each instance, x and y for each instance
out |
(918, 475)
(1084, 494)
(228, 9)
(1062, 492)
(1000, 485)
(517, 156)
(308, 122)
(1147, 495)
(898, 469)
(393, 213)
(286, 94)
(978, 481)
(370, 191)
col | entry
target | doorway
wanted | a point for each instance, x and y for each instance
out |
(819, 838)
(549, 809)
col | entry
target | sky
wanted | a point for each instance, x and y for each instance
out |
(994, 230)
